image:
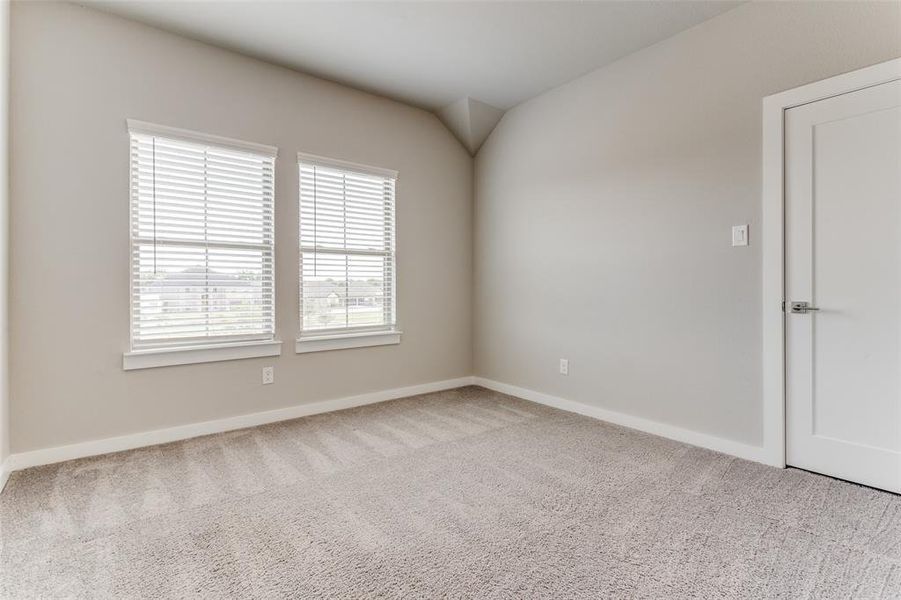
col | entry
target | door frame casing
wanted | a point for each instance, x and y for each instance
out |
(773, 236)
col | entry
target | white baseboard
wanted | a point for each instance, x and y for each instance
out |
(5, 470)
(733, 448)
(45, 456)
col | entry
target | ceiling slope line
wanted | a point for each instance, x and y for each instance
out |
(470, 121)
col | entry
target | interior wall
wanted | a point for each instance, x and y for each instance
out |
(77, 75)
(4, 233)
(604, 209)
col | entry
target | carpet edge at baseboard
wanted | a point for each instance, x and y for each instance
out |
(5, 471)
(44, 456)
(695, 438)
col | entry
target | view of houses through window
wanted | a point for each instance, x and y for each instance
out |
(347, 247)
(202, 242)
(202, 231)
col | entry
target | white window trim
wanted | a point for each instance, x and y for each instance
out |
(321, 341)
(187, 135)
(201, 353)
(189, 355)
(323, 161)
(342, 341)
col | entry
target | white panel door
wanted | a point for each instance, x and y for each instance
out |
(843, 257)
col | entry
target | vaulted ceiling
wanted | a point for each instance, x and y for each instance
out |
(466, 61)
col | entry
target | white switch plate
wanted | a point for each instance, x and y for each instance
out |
(739, 235)
(564, 366)
(268, 375)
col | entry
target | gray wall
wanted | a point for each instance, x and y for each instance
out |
(604, 208)
(4, 231)
(77, 75)
(601, 230)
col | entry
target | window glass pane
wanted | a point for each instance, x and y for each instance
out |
(202, 244)
(344, 291)
(347, 249)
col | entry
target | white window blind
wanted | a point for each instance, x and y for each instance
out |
(347, 256)
(202, 239)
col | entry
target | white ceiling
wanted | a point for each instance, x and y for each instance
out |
(430, 54)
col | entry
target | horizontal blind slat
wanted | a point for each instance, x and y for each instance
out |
(346, 249)
(202, 222)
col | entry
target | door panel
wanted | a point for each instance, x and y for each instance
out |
(843, 256)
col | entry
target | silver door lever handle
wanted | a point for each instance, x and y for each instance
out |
(802, 307)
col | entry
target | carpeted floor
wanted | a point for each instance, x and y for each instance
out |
(465, 493)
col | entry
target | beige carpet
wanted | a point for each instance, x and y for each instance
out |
(466, 493)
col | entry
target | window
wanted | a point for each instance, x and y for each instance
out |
(347, 261)
(202, 243)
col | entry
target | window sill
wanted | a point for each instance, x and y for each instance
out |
(166, 357)
(343, 341)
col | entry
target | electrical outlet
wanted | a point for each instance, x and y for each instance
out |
(564, 366)
(740, 235)
(268, 375)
